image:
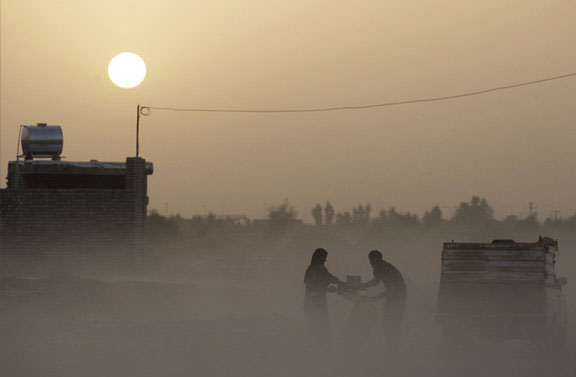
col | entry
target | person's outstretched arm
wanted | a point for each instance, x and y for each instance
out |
(370, 283)
(333, 279)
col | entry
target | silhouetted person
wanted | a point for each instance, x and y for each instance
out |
(317, 279)
(395, 294)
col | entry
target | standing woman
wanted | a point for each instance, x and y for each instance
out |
(317, 279)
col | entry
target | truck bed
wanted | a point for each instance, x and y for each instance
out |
(497, 263)
(501, 290)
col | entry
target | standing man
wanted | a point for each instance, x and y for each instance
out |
(395, 294)
(317, 279)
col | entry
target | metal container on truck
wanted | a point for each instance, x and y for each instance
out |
(500, 291)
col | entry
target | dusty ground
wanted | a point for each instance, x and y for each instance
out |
(215, 308)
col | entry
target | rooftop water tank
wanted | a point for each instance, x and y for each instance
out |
(42, 140)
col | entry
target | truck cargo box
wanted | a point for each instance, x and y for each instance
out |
(499, 262)
(503, 289)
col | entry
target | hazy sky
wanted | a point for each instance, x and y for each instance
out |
(511, 147)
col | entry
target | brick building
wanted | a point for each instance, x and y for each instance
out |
(62, 207)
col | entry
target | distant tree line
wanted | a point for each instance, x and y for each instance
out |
(475, 215)
(477, 211)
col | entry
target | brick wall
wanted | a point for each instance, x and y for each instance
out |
(75, 221)
(136, 182)
(65, 221)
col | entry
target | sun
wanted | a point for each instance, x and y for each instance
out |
(127, 70)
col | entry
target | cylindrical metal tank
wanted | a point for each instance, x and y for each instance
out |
(42, 140)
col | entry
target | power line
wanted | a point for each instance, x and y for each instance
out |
(147, 110)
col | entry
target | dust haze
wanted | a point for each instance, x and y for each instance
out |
(295, 54)
(217, 288)
(215, 297)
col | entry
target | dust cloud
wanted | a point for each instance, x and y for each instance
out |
(230, 304)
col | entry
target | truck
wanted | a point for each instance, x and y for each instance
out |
(502, 290)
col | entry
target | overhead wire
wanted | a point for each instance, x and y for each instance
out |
(147, 110)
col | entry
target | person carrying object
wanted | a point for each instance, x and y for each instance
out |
(395, 294)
